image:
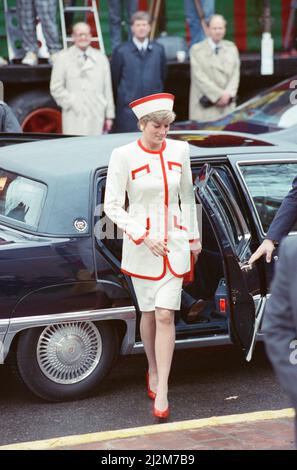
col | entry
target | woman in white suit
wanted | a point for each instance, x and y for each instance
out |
(160, 230)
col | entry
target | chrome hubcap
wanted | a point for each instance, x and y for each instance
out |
(69, 352)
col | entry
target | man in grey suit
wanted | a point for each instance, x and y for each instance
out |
(215, 72)
(280, 321)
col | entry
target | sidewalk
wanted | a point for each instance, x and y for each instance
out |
(253, 431)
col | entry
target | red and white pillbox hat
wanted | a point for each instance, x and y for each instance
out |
(152, 103)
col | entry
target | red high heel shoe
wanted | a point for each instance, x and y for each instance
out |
(151, 394)
(161, 414)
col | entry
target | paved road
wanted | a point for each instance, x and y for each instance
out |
(204, 383)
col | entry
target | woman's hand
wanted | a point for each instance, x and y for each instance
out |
(195, 247)
(157, 247)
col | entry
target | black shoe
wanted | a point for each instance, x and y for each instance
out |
(195, 314)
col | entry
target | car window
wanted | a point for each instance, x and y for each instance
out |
(21, 198)
(225, 175)
(228, 182)
(228, 211)
(268, 184)
(106, 232)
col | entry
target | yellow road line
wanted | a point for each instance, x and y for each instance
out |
(71, 441)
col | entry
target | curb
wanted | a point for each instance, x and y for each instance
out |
(70, 441)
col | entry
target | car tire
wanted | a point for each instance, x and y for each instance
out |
(66, 361)
(37, 111)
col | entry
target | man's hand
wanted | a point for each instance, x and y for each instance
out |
(266, 248)
(157, 247)
(224, 99)
(108, 125)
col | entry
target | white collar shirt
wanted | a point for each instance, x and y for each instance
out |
(140, 45)
(214, 45)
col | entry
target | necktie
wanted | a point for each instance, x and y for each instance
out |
(142, 51)
(85, 55)
(217, 50)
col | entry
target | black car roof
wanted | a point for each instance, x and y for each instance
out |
(67, 166)
(42, 160)
(59, 158)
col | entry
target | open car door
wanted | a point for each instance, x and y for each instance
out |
(234, 238)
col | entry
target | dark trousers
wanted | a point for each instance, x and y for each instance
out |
(115, 18)
(208, 272)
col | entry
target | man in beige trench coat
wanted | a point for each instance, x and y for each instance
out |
(215, 72)
(81, 85)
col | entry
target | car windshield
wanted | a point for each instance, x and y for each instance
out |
(268, 184)
(21, 199)
(273, 107)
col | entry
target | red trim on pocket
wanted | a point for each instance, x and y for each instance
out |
(175, 224)
(171, 164)
(144, 167)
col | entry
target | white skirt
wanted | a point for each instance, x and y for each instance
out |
(164, 293)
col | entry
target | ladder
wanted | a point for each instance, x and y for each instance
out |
(90, 6)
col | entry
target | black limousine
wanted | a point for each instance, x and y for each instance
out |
(66, 309)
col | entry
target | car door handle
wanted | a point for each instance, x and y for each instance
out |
(246, 266)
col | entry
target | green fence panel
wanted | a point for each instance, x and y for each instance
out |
(176, 21)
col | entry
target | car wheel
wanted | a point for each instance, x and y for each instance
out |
(37, 111)
(68, 360)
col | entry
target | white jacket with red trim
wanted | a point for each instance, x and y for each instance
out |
(155, 183)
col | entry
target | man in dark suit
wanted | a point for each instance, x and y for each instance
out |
(282, 223)
(138, 69)
(280, 321)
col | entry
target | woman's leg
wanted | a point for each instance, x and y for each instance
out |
(164, 347)
(148, 336)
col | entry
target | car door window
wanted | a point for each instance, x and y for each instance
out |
(228, 212)
(106, 232)
(21, 199)
(235, 241)
(268, 184)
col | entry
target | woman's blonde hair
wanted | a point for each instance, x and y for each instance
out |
(158, 117)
